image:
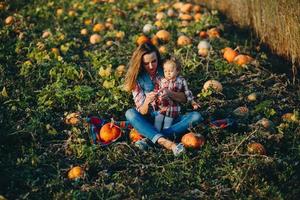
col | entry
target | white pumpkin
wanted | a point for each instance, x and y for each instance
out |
(215, 85)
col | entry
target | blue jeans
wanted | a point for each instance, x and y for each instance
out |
(144, 124)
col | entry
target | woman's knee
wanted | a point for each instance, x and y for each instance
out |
(196, 117)
(130, 114)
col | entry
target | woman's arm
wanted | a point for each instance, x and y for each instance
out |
(143, 109)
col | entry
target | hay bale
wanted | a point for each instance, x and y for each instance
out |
(276, 22)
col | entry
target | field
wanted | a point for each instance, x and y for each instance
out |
(70, 56)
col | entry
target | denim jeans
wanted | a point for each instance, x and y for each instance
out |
(144, 124)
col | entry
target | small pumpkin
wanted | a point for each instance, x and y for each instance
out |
(256, 148)
(163, 49)
(84, 31)
(265, 123)
(197, 17)
(109, 132)
(98, 27)
(213, 84)
(59, 11)
(160, 16)
(75, 173)
(252, 97)
(203, 48)
(178, 5)
(148, 28)
(9, 20)
(142, 39)
(289, 117)
(120, 35)
(186, 8)
(203, 34)
(55, 51)
(163, 35)
(213, 33)
(197, 8)
(192, 140)
(185, 17)
(46, 34)
(154, 40)
(95, 38)
(134, 135)
(242, 59)
(229, 54)
(183, 40)
(171, 12)
(72, 119)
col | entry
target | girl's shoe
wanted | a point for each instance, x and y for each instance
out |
(179, 149)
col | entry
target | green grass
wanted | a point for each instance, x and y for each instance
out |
(37, 148)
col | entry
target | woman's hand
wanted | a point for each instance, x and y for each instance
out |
(150, 97)
(175, 96)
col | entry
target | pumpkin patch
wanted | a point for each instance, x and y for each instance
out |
(63, 66)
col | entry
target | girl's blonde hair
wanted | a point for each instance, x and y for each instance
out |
(136, 62)
(173, 61)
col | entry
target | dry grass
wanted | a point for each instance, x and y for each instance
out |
(276, 22)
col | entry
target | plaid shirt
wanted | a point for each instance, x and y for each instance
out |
(139, 95)
(171, 108)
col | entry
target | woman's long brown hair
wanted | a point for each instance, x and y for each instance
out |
(135, 64)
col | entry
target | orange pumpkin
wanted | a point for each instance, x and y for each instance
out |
(229, 54)
(197, 17)
(185, 17)
(191, 140)
(163, 49)
(72, 119)
(256, 148)
(203, 34)
(289, 117)
(75, 172)
(95, 38)
(9, 20)
(213, 33)
(135, 136)
(183, 40)
(154, 40)
(197, 8)
(163, 35)
(242, 60)
(109, 132)
(98, 27)
(142, 39)
(186, 8)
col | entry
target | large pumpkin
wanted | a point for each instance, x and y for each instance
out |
(135, 136)
(256, 148)
(109, 132)
(191, 140)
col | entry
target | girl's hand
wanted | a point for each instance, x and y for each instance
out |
(165, 93)
(150, 97)
(196, 105)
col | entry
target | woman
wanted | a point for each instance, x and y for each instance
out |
(144, 72)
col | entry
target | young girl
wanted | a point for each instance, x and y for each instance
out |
(168, 109)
